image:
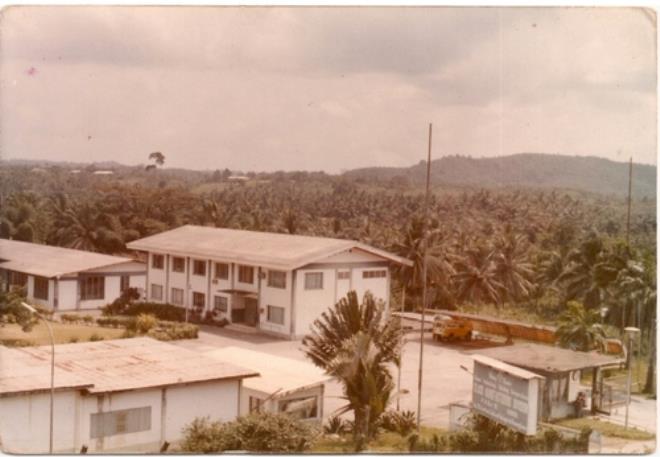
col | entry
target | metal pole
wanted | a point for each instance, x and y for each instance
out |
(52, 380)
(629, 204)
(628, 383)
(425, 241)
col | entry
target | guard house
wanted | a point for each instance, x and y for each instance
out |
(561, 370)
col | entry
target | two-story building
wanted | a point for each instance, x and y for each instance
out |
(65, 279)
(277, 283)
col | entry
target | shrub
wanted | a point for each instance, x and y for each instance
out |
(402, 422)
(263, 432)
(70, 318)
(88, 319)
(162, 311)
(167, 331)
(116, 322)
(335, 425)
(95, 337)
(435, 444)
(73, 339)
(145, 322)
(16, 343)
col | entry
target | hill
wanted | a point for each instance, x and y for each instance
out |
(591, 174)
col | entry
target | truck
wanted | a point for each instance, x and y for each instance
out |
(446, 328)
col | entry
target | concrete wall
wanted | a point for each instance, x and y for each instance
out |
(274, 296)
(67, 290)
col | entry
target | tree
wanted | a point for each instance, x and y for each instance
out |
(477, 277)
(579, 329)
(513, 269)
(158, 158)
(354, 343)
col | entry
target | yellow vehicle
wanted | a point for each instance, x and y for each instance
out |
(447, 329)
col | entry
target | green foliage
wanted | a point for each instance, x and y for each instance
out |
(354, 343)
(12, 312)
(145, 322)
(335, 425)
(263, 432)
(161, 311)
(401, 422)
(95, 337)
(70, 318)
(169, 331)
(580, 329)
(487, 436)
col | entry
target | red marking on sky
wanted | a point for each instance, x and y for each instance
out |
(32, 71)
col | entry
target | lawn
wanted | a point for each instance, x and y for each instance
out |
(62, 333)
(385, 442)
(607, 428)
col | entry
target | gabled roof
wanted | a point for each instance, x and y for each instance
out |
(279, 375)
(51, 261)
(110, 366)
(270, 250)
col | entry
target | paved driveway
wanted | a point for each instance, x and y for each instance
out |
(443, 379)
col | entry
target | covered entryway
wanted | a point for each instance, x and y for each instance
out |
(244, 307)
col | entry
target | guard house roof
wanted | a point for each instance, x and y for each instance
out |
(548, 359)
(279, 375)
(51, 261)
(110, 366)
(270, 250)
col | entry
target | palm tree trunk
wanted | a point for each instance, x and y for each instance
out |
(649, 387)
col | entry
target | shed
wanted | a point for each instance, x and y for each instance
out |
(561, 369)
(285, 385)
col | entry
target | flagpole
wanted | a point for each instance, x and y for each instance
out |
(424, 274)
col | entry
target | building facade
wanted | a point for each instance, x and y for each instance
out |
(67, 279)
(273, 282)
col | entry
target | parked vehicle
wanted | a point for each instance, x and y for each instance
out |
(447, 329)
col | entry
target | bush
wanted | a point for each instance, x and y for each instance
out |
(167, 331)
(162, 311)
(145, 322)
(70, 318)
(402, 422)
(88, 319)
(116, 322)
(335, 425)
(435, 444)
(484, 435)
(74, 339)
(95, 337)
(263, 432)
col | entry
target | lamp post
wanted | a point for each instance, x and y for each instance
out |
(631, 334)
(603, 313)
(52, 370)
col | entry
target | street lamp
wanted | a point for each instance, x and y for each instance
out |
(603, 313)
(631, 334)
(52, 369)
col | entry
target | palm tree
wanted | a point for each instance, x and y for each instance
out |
(513, 268)
(579, 328)
(477, 278)
(355, 343)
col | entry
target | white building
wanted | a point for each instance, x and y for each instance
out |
(285, 385)
(128, 395)
(67, 279)
(274, 282)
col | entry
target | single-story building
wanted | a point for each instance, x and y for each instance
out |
(127, 395)
(285, 385)
(65, 279)
(560, 370)
(276, 283)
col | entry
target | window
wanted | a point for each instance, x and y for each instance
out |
(255, 404)
(374, 274)
(41, 288)
(157, 261)
(220, 303)
(343, 275)
(277, 279)
(18, 279)
(276, 314)
(178, 264)
(221, 271)
(119, 422)
(245, 274)
(300, 408)
(199, 300)
(176, 296)
(92, 288)
(124, 282)
(156, 292)
(199, 267)
(313, 281)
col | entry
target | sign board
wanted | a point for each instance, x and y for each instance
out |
(506, 394)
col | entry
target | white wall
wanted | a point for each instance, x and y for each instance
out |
(275, 297)
(198, 283)
(67, 291)
(377, 286)
(25, 420)
(155, 277)
(309, 304)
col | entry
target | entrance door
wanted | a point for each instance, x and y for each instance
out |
(251, 312)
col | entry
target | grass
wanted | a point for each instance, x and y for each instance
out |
(607, 429)
(62, 333)
(385, 442)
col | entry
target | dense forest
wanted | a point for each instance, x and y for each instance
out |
(533, 249)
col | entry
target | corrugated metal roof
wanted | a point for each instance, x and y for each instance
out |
(51, 261)
(110, 366)
(270, 250)
(278, 374)
(547, 359)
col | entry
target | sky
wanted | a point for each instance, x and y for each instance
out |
(274, 88)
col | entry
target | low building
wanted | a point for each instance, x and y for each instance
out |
(285, 385)
(128, 395)
(560, 370)
(277, 283)
(68, 279)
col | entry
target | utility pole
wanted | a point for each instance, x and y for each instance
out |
(629, 205)
(424, 273)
